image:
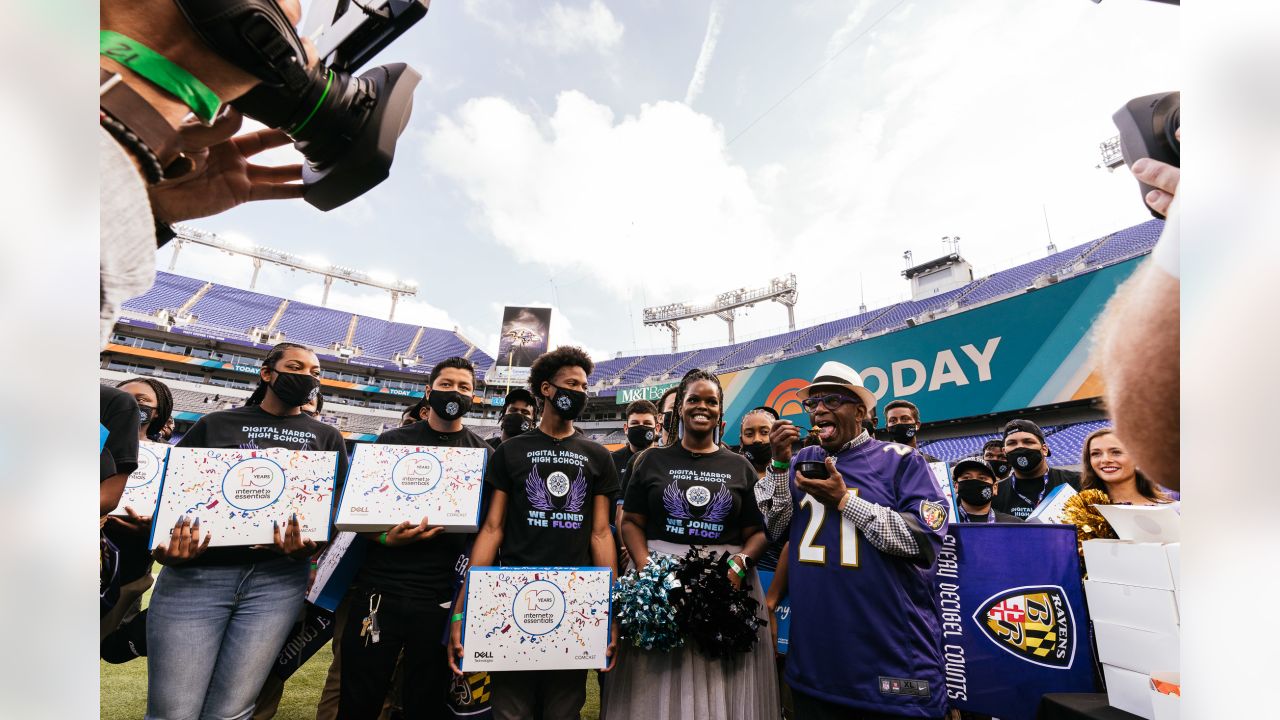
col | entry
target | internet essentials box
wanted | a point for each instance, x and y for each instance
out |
(389, 484)
(142, 489)
(536, 618)
(239, 494)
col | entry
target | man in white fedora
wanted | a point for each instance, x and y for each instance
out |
(865, 521)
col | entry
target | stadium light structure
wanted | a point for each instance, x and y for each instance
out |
(781, 290)
(1111, 155)
(319, 266)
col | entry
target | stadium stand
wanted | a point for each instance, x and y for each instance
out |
(1065, 441)
(229, 314)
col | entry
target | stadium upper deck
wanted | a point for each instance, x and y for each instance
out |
(231, 315)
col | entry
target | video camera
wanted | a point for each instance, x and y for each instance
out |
(1148, 128)
(346, 126)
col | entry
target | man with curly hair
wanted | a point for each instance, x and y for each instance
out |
(553, 490)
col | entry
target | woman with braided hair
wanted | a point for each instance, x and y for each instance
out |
(695, 492)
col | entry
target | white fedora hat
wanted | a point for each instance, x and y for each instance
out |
(837, 375)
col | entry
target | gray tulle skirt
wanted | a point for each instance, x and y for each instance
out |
(652, 685)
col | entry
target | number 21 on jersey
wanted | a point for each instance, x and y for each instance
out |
(809, 552)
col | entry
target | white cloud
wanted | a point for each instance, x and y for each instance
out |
(618, 199)
(715, 21)
(841, 37)
(565, 30)
(561, 28)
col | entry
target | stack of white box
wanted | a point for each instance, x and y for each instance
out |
(1133, 592)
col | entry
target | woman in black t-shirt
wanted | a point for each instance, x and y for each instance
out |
(218, 618)
(695, 492)
(130, 533)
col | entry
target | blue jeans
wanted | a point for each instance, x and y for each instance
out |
(213, 633)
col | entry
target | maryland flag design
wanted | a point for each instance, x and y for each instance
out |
(1033, 623)
(469, 694)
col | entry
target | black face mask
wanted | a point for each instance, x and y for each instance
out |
(641, 436)
(145, 415)
(758, 453)
(669, 423)
(514, 424)
(974, 492)
(1024, 459)
(999, 467)
(568, 404)
(901, 433)
(295, 389)
(449, 405)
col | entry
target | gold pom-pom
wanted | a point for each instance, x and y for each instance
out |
(1090, 524)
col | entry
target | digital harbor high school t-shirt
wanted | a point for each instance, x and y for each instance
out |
(551, 487)
(251, 427)
(693, 498)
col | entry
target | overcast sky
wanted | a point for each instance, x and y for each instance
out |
(599, 157)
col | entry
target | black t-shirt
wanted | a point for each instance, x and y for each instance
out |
(1020, 496)
(118, 412)
(622, 463)
(423, 570)
(251, 427)
(990, 516)
(693, 498)
(551, 487)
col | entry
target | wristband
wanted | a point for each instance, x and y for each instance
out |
(163, 73)
(315, 565)
(383, 538)
(734, 567)
(456, 617)
(779, 465)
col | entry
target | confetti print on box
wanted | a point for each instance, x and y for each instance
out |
(239, 494)
(389, 484)
(543, 618)
(142, 489)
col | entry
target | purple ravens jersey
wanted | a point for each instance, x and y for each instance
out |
(865, 629)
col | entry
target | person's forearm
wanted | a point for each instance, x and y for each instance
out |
(110, 491)
(885, 529)
(634, 538)
(603, 551)
(755, 544)
(483, 551)
(773, 496)
(778, 588)
(1137, 354)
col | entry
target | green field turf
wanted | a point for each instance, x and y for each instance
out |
(123, 690)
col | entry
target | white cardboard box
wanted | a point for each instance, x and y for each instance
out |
(1128, 563)
(389, 484)
(1166, 707)
(239, 493)
(536, 619)
(1173, 552)
(142, 489)
(1129, 691)
(1049, 511)
(1141, 651)
(1144, 523)
(1132, 606)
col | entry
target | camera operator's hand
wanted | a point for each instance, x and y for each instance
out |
(1162, 176)
(223, 177)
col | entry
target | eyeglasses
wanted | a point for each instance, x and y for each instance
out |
(831, 402)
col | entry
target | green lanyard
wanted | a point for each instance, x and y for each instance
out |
(160, 70)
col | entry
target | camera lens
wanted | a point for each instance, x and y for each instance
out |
(346, 126)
